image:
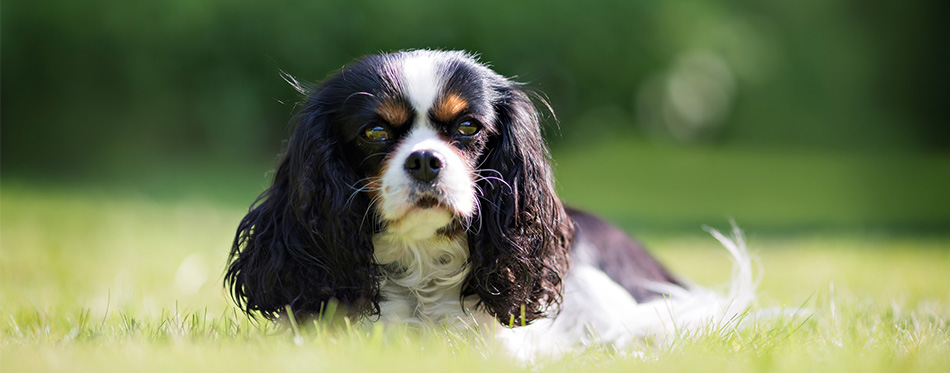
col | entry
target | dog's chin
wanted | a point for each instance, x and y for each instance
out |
(428, 202)
(424, 218)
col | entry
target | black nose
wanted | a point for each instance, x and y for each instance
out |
(424, 165)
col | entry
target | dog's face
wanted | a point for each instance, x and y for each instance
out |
(414, 126)
(411, 145)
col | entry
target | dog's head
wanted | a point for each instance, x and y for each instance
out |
(419, 145)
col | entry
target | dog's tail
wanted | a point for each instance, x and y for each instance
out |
(598, 311)
(695, 309)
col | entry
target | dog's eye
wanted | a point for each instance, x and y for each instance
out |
(375, 133)
(467, 128)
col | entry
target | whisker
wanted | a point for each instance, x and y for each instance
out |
(353, 186)
(479, 170)
(478, 207)
(484, 159)
(352, 195)
(502, 181)
(478, 189)
(368, 187)
(370, 156)
(470, 220)
(362, 93)
(372, 203)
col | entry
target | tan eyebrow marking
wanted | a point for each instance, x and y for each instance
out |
(449, 107)
(393, 112)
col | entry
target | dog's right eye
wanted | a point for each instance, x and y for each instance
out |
(375, 133)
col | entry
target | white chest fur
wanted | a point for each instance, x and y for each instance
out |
(423, 279)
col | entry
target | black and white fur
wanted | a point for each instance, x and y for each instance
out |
(416, 188)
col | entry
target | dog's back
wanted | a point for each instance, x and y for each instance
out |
(605, 246)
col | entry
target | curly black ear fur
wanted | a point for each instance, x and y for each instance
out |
(301, 244)
(519, 245)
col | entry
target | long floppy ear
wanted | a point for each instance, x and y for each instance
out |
(520, 242)
(303, 242)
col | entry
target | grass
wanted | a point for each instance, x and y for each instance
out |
(659, 187)
(109, 280)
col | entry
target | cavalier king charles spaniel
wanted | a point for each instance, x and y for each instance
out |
(416, 188)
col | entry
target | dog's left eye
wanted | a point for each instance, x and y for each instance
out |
(375, 133)
(467, 128)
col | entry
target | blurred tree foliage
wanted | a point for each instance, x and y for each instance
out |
(87, 82)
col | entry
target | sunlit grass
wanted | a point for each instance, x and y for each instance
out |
(106, 281)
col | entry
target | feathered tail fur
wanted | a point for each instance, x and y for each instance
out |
(598, 311)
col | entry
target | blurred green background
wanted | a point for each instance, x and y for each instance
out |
(788, 116)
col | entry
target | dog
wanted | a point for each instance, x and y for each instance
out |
(416, 188)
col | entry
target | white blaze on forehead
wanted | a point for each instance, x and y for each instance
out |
(421, 80)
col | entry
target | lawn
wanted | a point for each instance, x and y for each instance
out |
(127, 280)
